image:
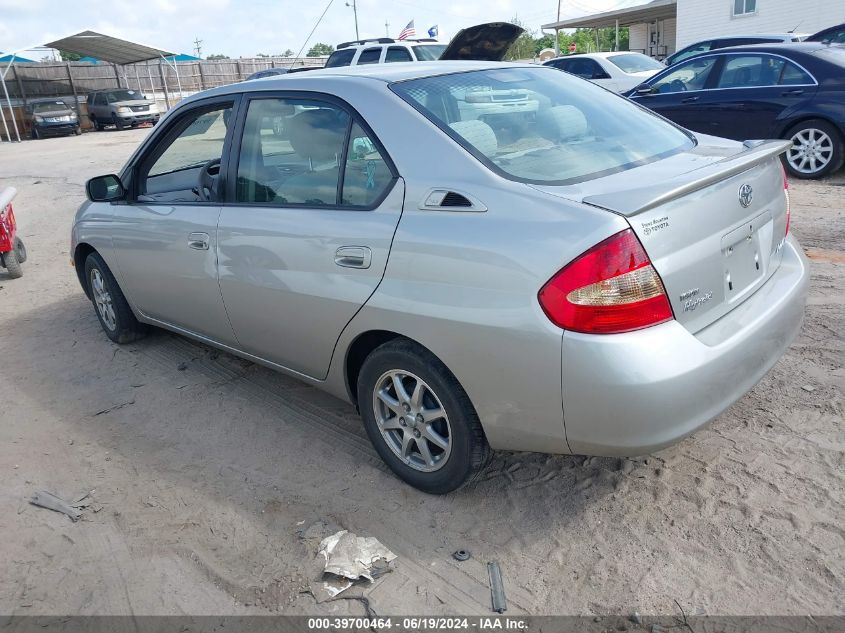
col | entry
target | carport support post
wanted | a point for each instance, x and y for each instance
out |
(117, 76)
(72, 89)
(20, 85)
(178, 81)
(617, 36)
(164, 86)
(202, 76)
(138, 79)
(9, 103)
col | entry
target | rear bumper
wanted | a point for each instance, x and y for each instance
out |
(634, 393)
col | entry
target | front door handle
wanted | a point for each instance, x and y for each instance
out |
(353, 257)
(689, 99)
(199, 241)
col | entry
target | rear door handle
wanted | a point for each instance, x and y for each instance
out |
(689, 99)
(794, 91)
(198, 241)
(353, 257)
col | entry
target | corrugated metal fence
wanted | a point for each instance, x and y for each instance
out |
(165, 82)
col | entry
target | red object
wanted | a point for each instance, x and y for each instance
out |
(573, 47)
(8, 228)
(609, 289)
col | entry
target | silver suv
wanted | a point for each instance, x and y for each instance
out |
(385, 50)
(121, 108)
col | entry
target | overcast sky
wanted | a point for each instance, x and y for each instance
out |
(244, 28)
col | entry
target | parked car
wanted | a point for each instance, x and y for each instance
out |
(267, 72)
(733, 40)
(51, 117)
(482, 42)
(790, 91)
(121, 108)
(619, 71)
(833, 35)
(595, 280)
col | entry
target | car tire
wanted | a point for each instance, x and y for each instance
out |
(77, 131)
(115, 122)
(112, 309)
(441, 452)
(13, 266)
(94, 124)
(36, 135)
(818, 149)
(20, 250)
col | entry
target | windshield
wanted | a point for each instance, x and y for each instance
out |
(123, 95)
(635, 63)
(542, 126)
(429, 52)
(49, 106)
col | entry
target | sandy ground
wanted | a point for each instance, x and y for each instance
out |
(211, 481)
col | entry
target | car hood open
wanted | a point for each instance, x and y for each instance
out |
(483, 42)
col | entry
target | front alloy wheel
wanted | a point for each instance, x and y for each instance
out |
(113, 311)
(103, 301)
(412, 420)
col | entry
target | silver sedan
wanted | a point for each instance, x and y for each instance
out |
(477, 255)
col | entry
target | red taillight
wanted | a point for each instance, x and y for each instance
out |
(786, 195)
(609, 289)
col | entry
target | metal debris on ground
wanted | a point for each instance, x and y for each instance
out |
(497, 589)
(349, 559)
(808, 388)
(462, 555)
(44, 499)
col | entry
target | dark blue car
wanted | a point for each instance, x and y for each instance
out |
(790, 91)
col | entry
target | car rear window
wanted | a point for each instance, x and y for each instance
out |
(369, 56)
(635, 63)
(429, 52)
(538, 125)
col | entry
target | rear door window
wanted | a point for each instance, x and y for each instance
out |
(792, 75)
(369, 56)
(750, 71)
(397, 54)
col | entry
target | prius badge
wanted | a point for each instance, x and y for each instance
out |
(745, 195)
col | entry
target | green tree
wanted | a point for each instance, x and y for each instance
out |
(523, 47)
(262, 55)
(320, 49)
(288, 53)
(217, 56)
(69, 57)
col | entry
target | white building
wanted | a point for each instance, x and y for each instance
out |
(661, 27)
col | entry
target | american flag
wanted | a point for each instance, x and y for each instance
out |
(408, 31)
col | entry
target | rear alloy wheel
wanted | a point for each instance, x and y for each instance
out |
(816, 149)
(113, 310)
(419, 418)
(13, 266)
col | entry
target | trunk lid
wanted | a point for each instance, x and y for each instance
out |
(483, 42)
(713, 224)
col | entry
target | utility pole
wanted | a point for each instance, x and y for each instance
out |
(354, 6)
(557, 32)
(386, 28)
(198, 47)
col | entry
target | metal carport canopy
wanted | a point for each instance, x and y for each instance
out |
(655, 10)
(108, 49)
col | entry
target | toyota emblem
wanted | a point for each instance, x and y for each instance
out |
(745, 195)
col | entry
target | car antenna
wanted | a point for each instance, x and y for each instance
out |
(796, 27)
(305, 43)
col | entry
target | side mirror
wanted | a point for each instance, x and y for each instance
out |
(644, 90)
(105, 189)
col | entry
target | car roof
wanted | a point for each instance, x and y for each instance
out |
(807, 48)
(374, 43)
(602, 55)
(386, 72)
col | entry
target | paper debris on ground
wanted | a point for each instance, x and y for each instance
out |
(44, 499)
(350, 558)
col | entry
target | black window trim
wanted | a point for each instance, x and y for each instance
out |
(230, 197)
(165, 136)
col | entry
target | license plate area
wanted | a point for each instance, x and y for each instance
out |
(745, 253)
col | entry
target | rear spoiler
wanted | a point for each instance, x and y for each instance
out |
(634, 201)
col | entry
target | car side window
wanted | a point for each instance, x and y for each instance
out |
(172, 171)
(369, 56)
(792, 75)
(690, 75)
(366, 174)
(750, 71)
(586, 68)
(397, 54)
(297, 162)
(341, 58)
